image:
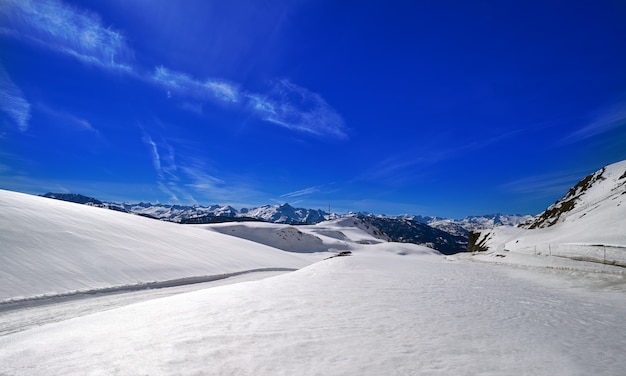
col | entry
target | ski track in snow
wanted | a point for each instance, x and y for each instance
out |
(22, 315)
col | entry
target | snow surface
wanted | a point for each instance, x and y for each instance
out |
(594, 230)
(389, 309)
(50, 247)
(374, 313)
(335, 235)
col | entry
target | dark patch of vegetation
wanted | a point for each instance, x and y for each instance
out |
(553, 213)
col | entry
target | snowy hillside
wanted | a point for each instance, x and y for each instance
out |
(342, 234)
(388, 309)
(51, 247)
(588, 223)
(596, 193)
(410, 231)
(477, 223)
(391, 309)
(284, 213)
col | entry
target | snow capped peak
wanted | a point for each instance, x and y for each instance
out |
(285, 213)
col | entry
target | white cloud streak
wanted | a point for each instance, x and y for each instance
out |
(65, 118)
(66, 30)
(547, 184)
(200, 179)
(409, 165)
(286, 104)
(610, 120)
(82, 35)
(12, 101)
(302, 192)
(209, 89)
(294, 107)
(154, 153)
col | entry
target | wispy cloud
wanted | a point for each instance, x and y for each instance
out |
(182, 180)
(163, 160)
(67, 30)
(12, 101)
(302, 192)
(209, 89)
(66, 118)
(82, 35)
(154, 153)
(296, 108)
(406, 165)
(608, 121)
(201, 180)
(285, 104)
(545, 184)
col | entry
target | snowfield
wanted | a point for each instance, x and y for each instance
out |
(389, 309)
(375, 313)
(51, 247)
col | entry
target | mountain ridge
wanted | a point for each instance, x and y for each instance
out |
(279, 213)
(587, 223)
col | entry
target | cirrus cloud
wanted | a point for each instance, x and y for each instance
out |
(67, 30)
(12, 101)
(285, 104)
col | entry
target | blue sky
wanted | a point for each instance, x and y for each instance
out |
(447, 108)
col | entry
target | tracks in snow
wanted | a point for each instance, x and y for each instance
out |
(19, 315)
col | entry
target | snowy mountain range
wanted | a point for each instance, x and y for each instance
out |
(91, 291)
(445, 235)
(283, 213)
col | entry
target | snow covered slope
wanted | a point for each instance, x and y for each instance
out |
(283, 213)
(391, 309)
(477, 223)
(599, 192)
(588, 223)
(51, 247)
(337, 235)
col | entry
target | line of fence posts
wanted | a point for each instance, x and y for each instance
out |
(557, 253)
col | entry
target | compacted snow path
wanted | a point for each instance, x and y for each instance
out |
(375, 313)
(15, 317)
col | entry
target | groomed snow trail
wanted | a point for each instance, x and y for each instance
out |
(374, 313)
(19, 316)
